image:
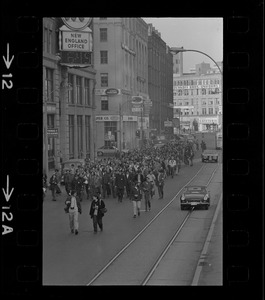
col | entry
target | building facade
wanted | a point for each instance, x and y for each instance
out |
(120, 57)
(160, 81)
(198, 99)
(68, 104)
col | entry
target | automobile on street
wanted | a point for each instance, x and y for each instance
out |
(195, 196)
(210, 156)
(107, 151)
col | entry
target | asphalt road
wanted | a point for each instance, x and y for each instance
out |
(75, 259)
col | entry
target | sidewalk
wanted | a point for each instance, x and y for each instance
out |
(212, 266)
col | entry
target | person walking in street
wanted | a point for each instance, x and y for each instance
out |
(120, 184)
(97, 212)
(172, 166)
(53, 186)
(136, 199)
(147, 189)
(160, 183)
(151, 178)
(74, 209)
(44, 184)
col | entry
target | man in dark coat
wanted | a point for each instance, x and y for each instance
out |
(96, 213)
(120, 184)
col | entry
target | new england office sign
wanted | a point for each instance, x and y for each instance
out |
(76, 41)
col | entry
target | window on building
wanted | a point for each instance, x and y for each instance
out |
(104, 79)
(71, 89)
(216, 110)
(203, 111)
(45, 42)
(71, 136)
(87, 92)
(179, 92)
(87, 133)
(210, 111)
(203, 91)
(79, 137)
(210, 102)
(78, 90)
(104, 103)
(187, 103)
(186, 92)
(103, 34)
(49, 92)
(50, 42)
(51, 142)
(104, 57)
(204, 102)
(110, 127)
(103, 18)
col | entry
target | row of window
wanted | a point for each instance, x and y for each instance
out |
(192, 92)
(82, 87)
(204, 111)
(80, 142)
(196, 82)
(192, 102)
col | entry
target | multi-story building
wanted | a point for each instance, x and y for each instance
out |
(198, 99)
(68, 103)
(160, 81)
(120, 56)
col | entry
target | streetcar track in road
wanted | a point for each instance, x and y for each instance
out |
(148, 225)
(172, 240)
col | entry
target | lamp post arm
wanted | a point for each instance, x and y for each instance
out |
(191, 50)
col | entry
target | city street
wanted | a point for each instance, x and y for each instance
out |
(75, 259)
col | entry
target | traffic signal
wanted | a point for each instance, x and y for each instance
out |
(137, 133)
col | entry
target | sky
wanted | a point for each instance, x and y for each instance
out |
(203, 34)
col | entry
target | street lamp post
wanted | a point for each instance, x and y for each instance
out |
(192, 50)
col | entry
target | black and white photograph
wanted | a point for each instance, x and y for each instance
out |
(132, 151)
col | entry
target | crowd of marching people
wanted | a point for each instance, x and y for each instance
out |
(133, 175)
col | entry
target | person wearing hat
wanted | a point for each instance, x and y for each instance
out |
(96, 212)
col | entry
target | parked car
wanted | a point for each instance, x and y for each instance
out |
(209, 156)
(195, 196)
(107, 151)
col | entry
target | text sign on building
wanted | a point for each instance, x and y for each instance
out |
(130, 118)
(52, 132)
(107, 118)
(208, 121)
(76, 41)
(74, 58)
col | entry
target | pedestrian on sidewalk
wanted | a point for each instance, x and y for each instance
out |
(53, 186)
(136, 199)
(74, 209)
(97, 212)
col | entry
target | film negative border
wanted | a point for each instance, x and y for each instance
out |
(242, 151)
(21, 168)
(21, 161)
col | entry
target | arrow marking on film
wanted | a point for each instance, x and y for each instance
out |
(6, 60)
(7, 195)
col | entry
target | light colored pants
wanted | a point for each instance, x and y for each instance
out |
(136, 206)
(73, 220)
